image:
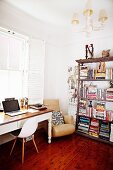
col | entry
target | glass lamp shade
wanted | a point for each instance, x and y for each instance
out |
(88, 12)
(102, 16)
(75, 19)
(88, 9)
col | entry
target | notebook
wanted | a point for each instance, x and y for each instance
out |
(12, 108)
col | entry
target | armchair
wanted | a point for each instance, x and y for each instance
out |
(62, 125)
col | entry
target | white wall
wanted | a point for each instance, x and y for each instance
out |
(56, 75)
(22, 23)
(60, 51)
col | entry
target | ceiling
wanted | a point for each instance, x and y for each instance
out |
(59, 12)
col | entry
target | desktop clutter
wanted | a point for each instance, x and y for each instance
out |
(24, 104)
(12, 107)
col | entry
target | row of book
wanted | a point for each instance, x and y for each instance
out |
(91, 92)
(98, 112)
(102, 130)
(88, 73)
(109, 94)
(106, 115)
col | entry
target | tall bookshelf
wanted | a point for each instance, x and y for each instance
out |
(93, 119)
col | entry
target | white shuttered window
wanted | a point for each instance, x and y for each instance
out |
(36, 71)
(21, 68)
(13, 53)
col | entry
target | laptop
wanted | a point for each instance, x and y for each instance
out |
(12, 108)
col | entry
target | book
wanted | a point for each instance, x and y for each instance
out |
(94, 128)
(90, 74)
(83, 71)
(104, 131)
(100, 75)
(100, 110)
(92, 92)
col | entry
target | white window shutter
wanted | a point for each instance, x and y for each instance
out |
(36, 71)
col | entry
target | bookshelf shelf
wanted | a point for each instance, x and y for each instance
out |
(96, 99)
(95, 79)
(95, 138)
(95, 60)
(93, 120)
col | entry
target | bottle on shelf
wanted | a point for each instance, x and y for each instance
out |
(90, 109)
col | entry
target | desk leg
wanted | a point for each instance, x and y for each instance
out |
(49, 130)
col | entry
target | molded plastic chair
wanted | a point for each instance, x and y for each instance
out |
(27, 130)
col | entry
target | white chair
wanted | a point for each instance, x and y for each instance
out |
(27, 130)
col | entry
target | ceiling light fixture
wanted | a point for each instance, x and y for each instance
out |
(88, 14)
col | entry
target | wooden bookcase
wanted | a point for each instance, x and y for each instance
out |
(91, 118)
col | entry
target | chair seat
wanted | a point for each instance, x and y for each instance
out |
(63, 129)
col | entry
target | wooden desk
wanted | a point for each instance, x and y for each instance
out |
(8, 123)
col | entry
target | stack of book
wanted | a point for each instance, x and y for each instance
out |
(109, 94)
(83, 72)
(94, 128)
(100, 111)
(111, 134)
(104, 131)
(100, 75)
(82, 107)
(83, 125)
(92, 92)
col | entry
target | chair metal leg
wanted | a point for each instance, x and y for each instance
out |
(34, 143)
(13, 146)
(23, 141)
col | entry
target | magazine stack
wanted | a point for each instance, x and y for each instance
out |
(100, 111)
(92, 92)
(109, 94)
(94, 128)
(104, 131)
(83, 125)
(82, 109)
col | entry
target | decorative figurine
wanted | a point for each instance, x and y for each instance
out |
(22, 102)
(101, 67)
(106, 53)
(89, 50)
(26, 102)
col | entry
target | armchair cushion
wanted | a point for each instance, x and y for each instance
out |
(63, 130)
(57, 118)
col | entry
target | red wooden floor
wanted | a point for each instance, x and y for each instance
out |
(72, 152)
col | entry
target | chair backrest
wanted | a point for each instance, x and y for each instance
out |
(28, 128)
(52, 104)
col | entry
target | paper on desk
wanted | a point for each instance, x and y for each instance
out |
(32, 110)
(2, 117)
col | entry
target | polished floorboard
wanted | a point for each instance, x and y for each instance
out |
(73, 152)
